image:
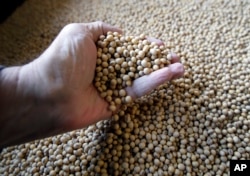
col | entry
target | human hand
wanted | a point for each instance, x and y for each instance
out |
(64, 73)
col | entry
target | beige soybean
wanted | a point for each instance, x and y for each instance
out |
(188, 126)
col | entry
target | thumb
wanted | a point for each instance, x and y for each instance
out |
(147, 83)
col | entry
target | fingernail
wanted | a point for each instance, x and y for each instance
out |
(157, 41)
(177, 70)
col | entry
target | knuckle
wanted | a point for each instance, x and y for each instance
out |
(71, 28)
(100, 23)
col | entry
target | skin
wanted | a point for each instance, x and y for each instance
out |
(54, 93)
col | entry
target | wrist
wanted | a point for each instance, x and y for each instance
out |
(25, 114)
(8, 84)
(1, 67)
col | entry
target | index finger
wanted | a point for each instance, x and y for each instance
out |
(143, 85)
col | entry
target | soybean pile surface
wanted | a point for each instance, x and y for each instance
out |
(189, 126)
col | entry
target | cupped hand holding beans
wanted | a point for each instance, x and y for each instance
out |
(78, 80)
(129, 67)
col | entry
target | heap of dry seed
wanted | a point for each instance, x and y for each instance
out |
(122, 59)
(191, 126)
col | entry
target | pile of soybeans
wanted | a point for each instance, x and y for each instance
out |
(189, 126)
